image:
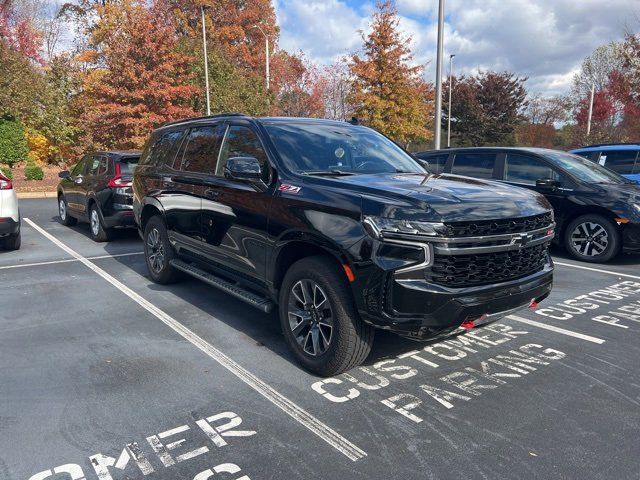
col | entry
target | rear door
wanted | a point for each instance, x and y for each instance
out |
(234, 213)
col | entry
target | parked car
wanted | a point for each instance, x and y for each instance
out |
(9, 215)
(340, 228)
(621, 158)
(98, 191)
(597, 210)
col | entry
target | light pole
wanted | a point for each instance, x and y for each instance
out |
(206, 60)
(266, 48)
(593, 91)
(450, 89)
(437, 127)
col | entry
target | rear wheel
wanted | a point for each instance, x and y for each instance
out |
(63, 211)
(96, 227)
(12, 242)
(592, 238)
(319, 320)
(158, 252)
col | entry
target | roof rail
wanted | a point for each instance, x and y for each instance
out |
(219, 115)
(610, 144)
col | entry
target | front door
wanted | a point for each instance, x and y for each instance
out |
(235, 213)
(183, 205)
(73, 186)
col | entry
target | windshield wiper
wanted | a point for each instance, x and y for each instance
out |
(328, 173)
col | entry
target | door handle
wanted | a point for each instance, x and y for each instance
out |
(211, 193)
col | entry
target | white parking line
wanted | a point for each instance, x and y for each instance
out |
(563, 331)
(325, 432)
(591, 269)
(69, 260)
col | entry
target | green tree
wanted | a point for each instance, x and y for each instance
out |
(13, 144)
(486, 108)
(388, 93)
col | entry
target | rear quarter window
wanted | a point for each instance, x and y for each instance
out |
(436, 162)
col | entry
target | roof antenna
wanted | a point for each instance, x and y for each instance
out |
(354, 121)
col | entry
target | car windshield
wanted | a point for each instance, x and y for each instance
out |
(128, 165)
(584, 169)
(335, 149)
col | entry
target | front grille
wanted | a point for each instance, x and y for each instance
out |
(497, 227)
(486, 268)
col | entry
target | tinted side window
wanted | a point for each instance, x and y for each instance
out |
(476, 165)
(621, 161)
(527, 170)
(242, 142)
(201, 151)
(436, 162)
(165, 149)
(79, 169)
(103, 168)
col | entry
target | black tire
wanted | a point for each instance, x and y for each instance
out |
(63, 211)
(592, 238)
(165, 274)
(96, 226)
(350, 339)
(12, 242)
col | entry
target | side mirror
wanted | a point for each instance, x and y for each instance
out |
(64, 174)
(243, 168)
(547, 184)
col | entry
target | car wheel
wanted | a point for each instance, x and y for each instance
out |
(592, 238)
(12, 242)
(98, 232)
(319, 320)
(63, 211)
(158, 252)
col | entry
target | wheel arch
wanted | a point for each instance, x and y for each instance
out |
(150, 208)
(585, 210)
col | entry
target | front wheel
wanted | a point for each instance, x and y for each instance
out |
(63, 211)
(592, 238)
(319, 320)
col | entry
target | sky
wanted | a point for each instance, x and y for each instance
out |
(544, 40)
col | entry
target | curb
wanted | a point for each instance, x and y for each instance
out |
(37, 194)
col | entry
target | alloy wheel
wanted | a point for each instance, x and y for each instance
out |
(62, 209)
(590, 239)
(95, 222)
(310, 317)
(155, 249)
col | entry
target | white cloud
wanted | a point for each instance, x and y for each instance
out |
(545, 40)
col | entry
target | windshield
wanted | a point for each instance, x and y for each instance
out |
(584, 169)
(318, 149)
(128, 165)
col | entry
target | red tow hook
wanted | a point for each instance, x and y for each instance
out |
(533, 304)
(468, 325)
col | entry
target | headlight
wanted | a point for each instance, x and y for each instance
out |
(378, 227)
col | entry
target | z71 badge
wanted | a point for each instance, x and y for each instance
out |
(289, 188)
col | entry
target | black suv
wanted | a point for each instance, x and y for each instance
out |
(98, 190)
(597, 210)
(340, 228)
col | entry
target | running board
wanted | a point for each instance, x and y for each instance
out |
(238, 292)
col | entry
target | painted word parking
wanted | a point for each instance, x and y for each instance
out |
(613, 305)
(169, 448)
(460, 385)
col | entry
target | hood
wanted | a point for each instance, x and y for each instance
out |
(446, 198)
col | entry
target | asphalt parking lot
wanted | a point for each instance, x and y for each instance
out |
(105, 375)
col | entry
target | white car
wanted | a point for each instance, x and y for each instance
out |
(9, 215)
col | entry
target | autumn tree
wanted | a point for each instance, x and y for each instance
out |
(138, 80)
(388, 92)
(486, 108)
(337, 90)
(298, 86)
(540, 117)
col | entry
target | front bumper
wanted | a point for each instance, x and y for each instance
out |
(437, 310)
(8, 226)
